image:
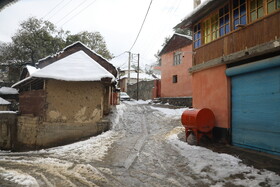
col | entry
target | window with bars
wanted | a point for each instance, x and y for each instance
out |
(177, 58)
(272, 5)
(239, 13)
(256, 9)
(197, 36)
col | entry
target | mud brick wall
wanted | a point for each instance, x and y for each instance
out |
(27, 130)
(7, 130)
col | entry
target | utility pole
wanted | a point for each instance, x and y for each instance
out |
(128, 76)
(138, 59)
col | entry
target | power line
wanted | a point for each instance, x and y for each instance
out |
(71, 12)
(142, 25)
(60, 9)
(53, 9)
(78, 13)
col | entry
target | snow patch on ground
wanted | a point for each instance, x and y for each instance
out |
(220, 167)
(139, 102)
(18, 178)
(94, 148)
(172, 113)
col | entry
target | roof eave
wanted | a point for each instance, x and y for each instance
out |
(200, 12)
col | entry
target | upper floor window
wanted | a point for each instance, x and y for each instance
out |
(177, 58)
(197, 36)
(224, 22)
(272, 5)
(256, 9)
(211, 28)
(239, 13)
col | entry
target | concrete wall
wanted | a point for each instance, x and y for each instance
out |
(145, 90)
(183, 88)
(7, 130)
(211, 90)
(74, 102)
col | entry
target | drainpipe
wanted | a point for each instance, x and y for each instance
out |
(196, 3)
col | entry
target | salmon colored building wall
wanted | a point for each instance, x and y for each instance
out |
(183, 87)
(211, 90)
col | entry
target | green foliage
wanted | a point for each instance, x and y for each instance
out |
(93, 40)
(36, 39)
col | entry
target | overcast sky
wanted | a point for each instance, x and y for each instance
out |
(117, 20)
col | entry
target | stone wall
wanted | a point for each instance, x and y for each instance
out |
(145, 90)
(36, 134)
(177, 101)
(7, 130)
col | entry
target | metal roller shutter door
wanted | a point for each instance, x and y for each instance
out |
(256, 105)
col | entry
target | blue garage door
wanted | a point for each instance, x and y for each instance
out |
(256, 105)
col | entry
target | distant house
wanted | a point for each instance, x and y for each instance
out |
(65, 99)
(176, 81)
(11, 95)
(4, 104)
(236, 68)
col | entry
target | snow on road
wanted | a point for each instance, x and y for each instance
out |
(141, 149)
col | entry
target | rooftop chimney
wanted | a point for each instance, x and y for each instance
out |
(196, 3)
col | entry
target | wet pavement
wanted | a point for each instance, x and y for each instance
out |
(138, 151)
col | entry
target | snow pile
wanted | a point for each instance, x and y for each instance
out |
(94, 148)
(139, 102)
(8, 90)
(4, 102)
(171, 113)
(220, 167)
(75, 67)
(18, 178)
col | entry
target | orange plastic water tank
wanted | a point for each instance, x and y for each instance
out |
(199, 121)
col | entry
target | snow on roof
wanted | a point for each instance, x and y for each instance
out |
(75, 67)
(186, 36)
(53, 55)
(194, 12)
(142, 76)
(4, 102)
(31, 69)
(8, 90)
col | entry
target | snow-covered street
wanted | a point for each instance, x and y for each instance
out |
(143, 148)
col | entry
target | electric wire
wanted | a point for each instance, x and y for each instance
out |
(170, 12)
(141, 25)
(55, 13)
(71, 11)
(78, 13)
(52, 9)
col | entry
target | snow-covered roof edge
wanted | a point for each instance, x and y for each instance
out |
(8, 90)
(195, 12)
(183, 35)
(21, 81)
(59, 52)
(4, 102)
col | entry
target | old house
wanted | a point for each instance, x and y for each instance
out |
(236, 68)
(4, 104)
(176, 81)
(65, 99)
